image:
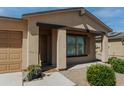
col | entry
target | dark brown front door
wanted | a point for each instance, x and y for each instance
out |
(45, 53)
(44, 49)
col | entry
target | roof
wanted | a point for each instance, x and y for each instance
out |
(113, 36)
(52, 11)
(69, 9)
(116, 35)
(10, 18)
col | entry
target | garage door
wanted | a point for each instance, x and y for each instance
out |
(10, 51)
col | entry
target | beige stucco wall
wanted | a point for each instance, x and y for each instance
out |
(24, 49)
(17, 25)
(61, 49)
(12, 24)
(62, 18)
(71, 18)
(105, 54)
(116, 49)
(33, 43)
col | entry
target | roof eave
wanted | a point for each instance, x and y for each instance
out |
(11, 18)
(56, 26)
(50, 11)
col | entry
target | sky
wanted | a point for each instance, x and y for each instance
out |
(113, 17)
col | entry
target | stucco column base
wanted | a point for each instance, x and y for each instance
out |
(104, 48)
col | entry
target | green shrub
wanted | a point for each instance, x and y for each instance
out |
(32, 67)
(35, 71)
(101, 75)
(112, 59)
(117, 64)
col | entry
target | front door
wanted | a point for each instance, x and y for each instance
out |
(45, 50)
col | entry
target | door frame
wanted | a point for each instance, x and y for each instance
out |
(48, 49)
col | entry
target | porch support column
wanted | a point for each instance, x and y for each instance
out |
(33, 44)
(61, 49)
(105, 48)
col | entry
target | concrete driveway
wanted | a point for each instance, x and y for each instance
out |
(11, 79)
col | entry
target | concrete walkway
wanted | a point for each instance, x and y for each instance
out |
(53, 79)
(119, 79)
(79, 66)
(11, 79)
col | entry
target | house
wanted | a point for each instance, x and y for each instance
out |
(57, 38)
(115, 45)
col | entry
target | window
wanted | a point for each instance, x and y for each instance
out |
(75, 45)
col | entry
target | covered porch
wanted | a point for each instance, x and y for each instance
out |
(53, 46)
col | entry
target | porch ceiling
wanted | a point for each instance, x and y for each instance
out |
(56, 26)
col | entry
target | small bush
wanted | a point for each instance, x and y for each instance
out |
(31, 67)
(112, 59)
(101, 75)
(35, 71)
(117, 64)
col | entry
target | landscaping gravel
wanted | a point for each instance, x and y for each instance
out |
(78, 76)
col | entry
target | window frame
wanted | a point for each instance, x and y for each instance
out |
(85, 44)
